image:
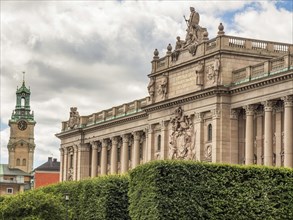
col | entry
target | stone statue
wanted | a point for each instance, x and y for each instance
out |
(74, 118)
(163, 86)
(178, 47)
(191, 43)
(199, 71)
(151, 87)
(192, 23)
(181, 138)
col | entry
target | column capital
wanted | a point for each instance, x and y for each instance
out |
(61, 151)
(125, 138)
(234, 113)
(114, 140)
(105, 142)
(65, 150)
(164, 124)
(268, 105)
(136, 135)
(216, 113)
(198, 117)
(288, 101)
(249, 109)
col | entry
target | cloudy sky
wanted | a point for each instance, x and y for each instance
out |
(96, 54)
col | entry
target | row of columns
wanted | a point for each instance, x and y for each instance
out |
(88, 153)
(268, 132)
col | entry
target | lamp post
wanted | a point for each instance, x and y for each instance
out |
(66, 201)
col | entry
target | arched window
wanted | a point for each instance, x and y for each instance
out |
(22, 102)
(18, 162)
(210, 132)
(23, 162)
(159, 143)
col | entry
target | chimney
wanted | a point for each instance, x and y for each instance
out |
(50, 160)
(55, 160)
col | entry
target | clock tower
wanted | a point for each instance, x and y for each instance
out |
(21, 145)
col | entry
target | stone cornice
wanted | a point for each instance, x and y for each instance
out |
(214, 91)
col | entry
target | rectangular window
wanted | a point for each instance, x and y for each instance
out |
(9, 190)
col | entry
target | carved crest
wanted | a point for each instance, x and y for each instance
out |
(74, 118)
(182, 138)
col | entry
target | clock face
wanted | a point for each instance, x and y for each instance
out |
(22, 125)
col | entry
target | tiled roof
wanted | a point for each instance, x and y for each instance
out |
(50, 165)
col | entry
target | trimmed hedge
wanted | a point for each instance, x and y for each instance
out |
(100, 198)
(193, 190)
(33, 205)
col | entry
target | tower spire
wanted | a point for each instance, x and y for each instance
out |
(23, 78)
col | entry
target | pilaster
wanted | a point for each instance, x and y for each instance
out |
(288, 131)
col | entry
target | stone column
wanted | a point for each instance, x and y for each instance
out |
(198, 127)
(234, 139)
(288, 131)
(114, 155)
(150, 146)
(216, 153)
(136, 140)
(268, 138)
(65, 164)
(61, 164)
(83, 162)
(94, 163)
(124, 154)
(75, 152)
(164, 142)
(278, 135)
(104, 157)
(249, 140)
(259, 136)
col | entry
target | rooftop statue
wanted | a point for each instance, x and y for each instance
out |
(194, 35)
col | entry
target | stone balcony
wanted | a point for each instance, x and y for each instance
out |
(224, 43)
(264, 69)
(116, 112)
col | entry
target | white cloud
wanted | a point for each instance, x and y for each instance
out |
(96, 54)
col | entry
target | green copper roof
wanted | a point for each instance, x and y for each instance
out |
(23, 89)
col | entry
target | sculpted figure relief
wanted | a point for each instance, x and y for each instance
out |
(74, 118)
(151, 87)
(162, 90)
(182, 137)
(199, 71)
(213, 71)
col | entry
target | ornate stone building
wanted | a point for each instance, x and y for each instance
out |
(226, 100)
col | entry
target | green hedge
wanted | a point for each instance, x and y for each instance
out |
(103, 198)
(32, 205)
(190, 190)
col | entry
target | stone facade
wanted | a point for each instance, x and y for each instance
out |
(224, 100)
